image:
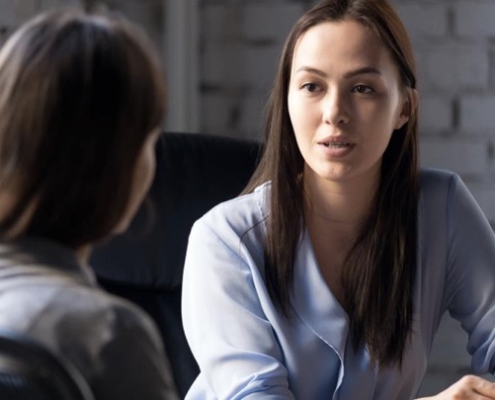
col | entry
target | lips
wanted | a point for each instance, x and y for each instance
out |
(335, 141)
(336, 147)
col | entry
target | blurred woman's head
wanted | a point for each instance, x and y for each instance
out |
(81, 105)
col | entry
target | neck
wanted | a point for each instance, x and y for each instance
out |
(83, 253)
(339, 202)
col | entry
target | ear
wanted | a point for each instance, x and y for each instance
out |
(409, 105)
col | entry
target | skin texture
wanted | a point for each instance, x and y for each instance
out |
(345, 87)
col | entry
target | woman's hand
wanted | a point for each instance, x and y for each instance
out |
(467, 388)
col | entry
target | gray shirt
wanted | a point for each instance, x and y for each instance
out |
(46, 293)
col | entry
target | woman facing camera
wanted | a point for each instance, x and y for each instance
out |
(81, 106)
(328, 278)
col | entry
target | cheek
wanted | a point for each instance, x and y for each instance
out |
(142, 178)
(383, 115)
(145, 171)
(302, 114)
(292, 108)
(297, 121)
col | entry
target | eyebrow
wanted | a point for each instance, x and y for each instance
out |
(350, 74)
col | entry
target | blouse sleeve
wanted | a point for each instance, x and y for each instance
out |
(227, 330)
(470, 293)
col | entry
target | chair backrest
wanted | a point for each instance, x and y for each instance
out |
(29, 371)
(194, 173)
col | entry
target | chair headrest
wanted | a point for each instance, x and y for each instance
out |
(194, 173)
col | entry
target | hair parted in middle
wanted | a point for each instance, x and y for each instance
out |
(379, 271)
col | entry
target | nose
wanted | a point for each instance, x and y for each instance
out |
(335, 110)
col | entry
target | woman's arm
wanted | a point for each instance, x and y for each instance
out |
(470, 290)
(226, 327)
(470, 286)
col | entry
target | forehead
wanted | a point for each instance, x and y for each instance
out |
(340, 45)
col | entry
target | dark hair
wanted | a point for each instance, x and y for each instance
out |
(79, 95)
(378, 275)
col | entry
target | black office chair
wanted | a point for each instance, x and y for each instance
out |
(29, 371)
(194, 173)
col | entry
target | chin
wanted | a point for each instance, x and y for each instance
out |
(336, 175)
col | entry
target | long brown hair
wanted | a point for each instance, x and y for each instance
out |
(79, 95)
(378, 275)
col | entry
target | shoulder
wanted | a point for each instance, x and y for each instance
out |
(443, 187)
(438, 187)
(235, 231)
(123, 347)
(82, 321)
(94, 309)
(436, 180)
(107, 338)
(445, 201)
(99, 330)
(239, 215)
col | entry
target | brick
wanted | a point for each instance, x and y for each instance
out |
(223, 65)
(8, 14)
(476, 113)
(269, 21)
(436, 113)
(474, 18)
(460, 155)
(261, 66)
(215, 24)
(424, 20)
(456, 66)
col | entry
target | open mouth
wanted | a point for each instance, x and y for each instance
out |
(336, 145)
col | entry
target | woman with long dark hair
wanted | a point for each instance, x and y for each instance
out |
(329, 276)
(81, 108)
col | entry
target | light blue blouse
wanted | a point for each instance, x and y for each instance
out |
(246, 349)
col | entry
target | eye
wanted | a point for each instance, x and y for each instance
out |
(311, 87)
(364, 89)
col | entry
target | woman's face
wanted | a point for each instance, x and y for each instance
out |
(141, 180)
(345, 100)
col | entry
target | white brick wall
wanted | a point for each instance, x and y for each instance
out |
(453, 66)
(424, 19)
(464, 156)
(477, 113)
(241, 44)
(475, 18)
(436, 113)
(266, 21)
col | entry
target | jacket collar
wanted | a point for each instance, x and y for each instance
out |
(40, 257)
